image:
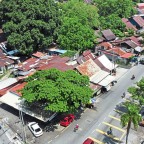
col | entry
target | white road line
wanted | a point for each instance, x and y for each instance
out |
(93, 131)
(50, 141)
(57, 136)
(105, 118)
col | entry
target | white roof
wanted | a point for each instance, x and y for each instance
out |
(106, 62)
(17, 103)
(7, 82)
(107, 80)
(99, 76)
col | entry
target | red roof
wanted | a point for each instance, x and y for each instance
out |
(139, 20)
(117, 50)
(16, 89)
(128, 24)
(38, 54)
(127, 55)
(28, 64)
(135, 39)
(87, 52)
(106, 45)
(140, 5)
(59, 66)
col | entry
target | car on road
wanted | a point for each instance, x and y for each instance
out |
(35, 129)
(88, 141)
(67, 120)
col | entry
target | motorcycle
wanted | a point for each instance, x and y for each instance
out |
(133, 77)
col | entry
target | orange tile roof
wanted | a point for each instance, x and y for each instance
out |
(16, 89)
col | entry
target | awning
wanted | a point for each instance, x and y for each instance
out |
(107, 81)
(18, 103)
(7, 82)
(99, 76)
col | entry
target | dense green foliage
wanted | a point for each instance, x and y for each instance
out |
(75, 36)
(57, 91)
(29, 25)
(78, 21)
(34, 25)
(112, 11)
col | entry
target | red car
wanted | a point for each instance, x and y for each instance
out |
(67, 120)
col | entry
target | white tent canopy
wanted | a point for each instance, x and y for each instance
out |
(18, 103)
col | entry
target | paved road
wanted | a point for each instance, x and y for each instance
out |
(92, 119)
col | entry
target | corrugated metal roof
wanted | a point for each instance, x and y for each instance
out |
(139, 20)
(128, 24)
(88, 68)
(127, 55)
(108, 34)
(99, 76)
(131, 43)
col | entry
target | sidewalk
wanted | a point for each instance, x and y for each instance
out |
(8, 135)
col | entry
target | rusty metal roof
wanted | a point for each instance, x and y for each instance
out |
(88, 68)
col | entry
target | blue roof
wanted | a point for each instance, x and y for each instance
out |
(12, 52)
(61, 51)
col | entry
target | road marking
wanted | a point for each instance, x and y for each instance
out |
(114, 117)
(110, 136)
(123, 135)
(50, 141)
(95, 140)
(99, 124)
(57, 136)
(114, 126)
(119, 111)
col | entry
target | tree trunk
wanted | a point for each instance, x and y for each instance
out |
(128, 129)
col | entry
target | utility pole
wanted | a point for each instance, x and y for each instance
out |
(23, 126)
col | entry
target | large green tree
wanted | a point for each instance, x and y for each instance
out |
(29, 25)
(122, 8)
(57, 91)
(78, 20)
(131, 116)
(75, 36)
(86, 13)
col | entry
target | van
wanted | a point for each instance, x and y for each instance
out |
(88, 141)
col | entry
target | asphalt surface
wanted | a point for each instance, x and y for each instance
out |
(93, 123)
(100, 119)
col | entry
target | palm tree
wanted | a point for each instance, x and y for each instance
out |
(131, 116)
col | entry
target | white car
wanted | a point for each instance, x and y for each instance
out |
(35, 129)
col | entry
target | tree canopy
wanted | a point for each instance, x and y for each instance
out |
(78, 20)
(29, 25)
(75, 36)
(57, 91)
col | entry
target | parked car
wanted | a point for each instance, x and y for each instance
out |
(141, 123)
(88, 141)
(67, 120)
(35, 129)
